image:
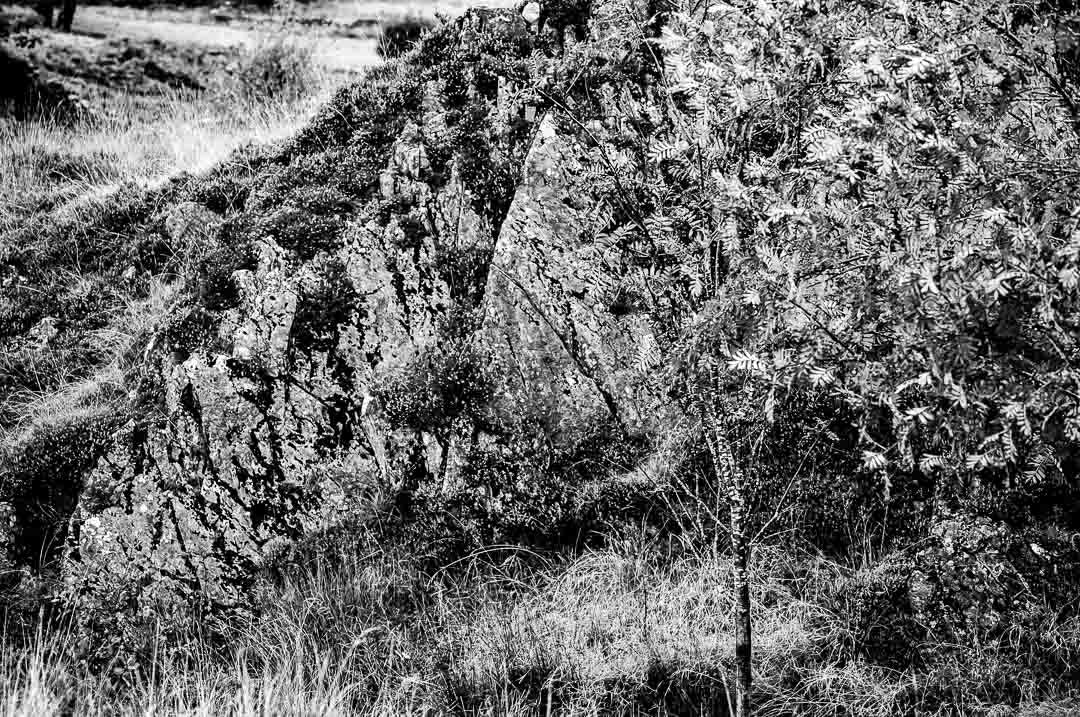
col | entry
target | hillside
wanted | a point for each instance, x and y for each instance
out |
(544, 370)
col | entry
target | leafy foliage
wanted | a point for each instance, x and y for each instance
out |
(449, 381)
(859, 199)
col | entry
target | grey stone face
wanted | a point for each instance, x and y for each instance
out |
(548, 297)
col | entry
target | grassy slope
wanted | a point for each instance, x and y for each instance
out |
(621, 631)
(81, 223)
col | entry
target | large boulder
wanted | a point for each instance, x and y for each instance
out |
(260, 414)
(554, 307)
(185, 507)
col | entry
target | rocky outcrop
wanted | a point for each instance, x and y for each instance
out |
(346, 266)
(265, 418)
(245, 455)
(553, 302)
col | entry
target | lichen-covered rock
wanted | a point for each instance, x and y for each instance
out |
(184, 508)
(551, 301)
(304, 304)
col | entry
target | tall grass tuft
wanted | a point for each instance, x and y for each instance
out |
(45, 164)
(279, 68)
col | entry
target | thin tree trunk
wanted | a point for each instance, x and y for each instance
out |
(743, 639)
(731, 482)
(67, 15)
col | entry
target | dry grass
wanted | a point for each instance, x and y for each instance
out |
(608, 633)
(611, 618)
(45, 681)
(104, 390)
(612, 632)
(45, 163)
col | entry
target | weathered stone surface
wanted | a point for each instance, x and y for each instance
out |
(550, 295)
(269, 416)
(253, 440)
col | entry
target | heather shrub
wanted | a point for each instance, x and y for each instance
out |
(367, 115)
(445, 384)
(226, 187)
(326, 305)
(465, 271)
(301, 230)
(213, 271)
(976, 608)
(523, 485)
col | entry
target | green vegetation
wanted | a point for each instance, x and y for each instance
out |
(690, 360)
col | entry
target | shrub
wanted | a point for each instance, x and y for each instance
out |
(465, 271)
(883, 623)
(323, 307)
(451, 380)
(213, 272)
(302, 231)
(521, 487)
(226, 187)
